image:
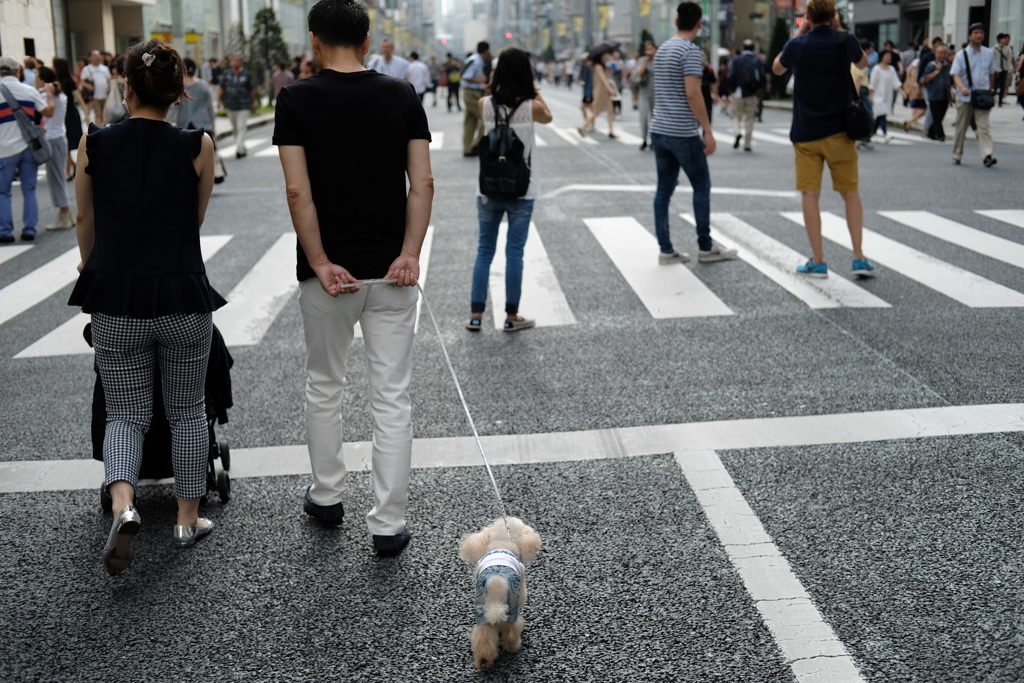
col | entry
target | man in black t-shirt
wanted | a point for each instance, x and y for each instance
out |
(347, 138)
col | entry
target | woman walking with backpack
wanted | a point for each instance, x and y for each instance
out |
(514, 100)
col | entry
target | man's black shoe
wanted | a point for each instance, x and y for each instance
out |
(990, 161)
(328, 515)
(239, 155)
(28, 236)
(6, 239)
(389, 546)
(736, 145)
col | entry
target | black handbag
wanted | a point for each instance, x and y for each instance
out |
(980, 99)
(856, 119)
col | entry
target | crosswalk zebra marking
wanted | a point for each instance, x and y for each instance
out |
(250, 144)
(738, 191)
(541, 293)
(778, 262)
(268, 152)
(956, 283)
(1011, 216)
(40, 284)
(436, 141)
(7, 253)
(538, 140)
(258, 298)
(67, 339)
(666, 291)
(961, 235)
(572, 136)
(761, 136)
(428, 243)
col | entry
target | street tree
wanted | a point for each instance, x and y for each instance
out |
(780, 34)
(266, 47)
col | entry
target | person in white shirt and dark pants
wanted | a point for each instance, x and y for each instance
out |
(980, 75)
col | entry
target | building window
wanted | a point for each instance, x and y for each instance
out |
(888, 30)
(30, 47)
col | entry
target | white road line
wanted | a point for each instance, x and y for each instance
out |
(436, 141)
(961, 235)
(624, 137)
(67, 339)
(542, 296)
(538, 140)
(1011, 216)
(624, 442)
(43, 282)
(268, 152)
(671, 291)
(778, 262)
(572, 137)
(740, 191)
(258, 298)
(773, 139)
(785, 606)
(7, 253)
(228, 151)
(956, 283)
(428, 243)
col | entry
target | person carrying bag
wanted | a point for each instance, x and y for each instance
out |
(856, 117)
(38, 146)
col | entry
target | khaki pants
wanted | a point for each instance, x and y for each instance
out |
(472, 123)
(743, 108)
(963, 121)
(239, 119)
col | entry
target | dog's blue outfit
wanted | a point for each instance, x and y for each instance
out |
(502, 563)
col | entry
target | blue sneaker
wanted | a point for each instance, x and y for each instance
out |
(812, 269)
(863, 268)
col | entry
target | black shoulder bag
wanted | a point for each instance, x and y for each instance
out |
(856, 118)
(980, 99)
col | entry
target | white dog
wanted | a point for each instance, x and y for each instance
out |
(500, 584)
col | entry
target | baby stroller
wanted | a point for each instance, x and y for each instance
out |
(156, 449)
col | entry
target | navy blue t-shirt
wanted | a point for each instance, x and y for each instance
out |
(821, 85)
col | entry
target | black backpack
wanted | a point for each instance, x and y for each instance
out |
(504, 168)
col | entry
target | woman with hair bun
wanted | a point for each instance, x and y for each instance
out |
(142, 197)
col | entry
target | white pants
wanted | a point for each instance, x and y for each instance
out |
(387, 316)
(240, 124)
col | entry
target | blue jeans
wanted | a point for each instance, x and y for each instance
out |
(30, 212)
(670, 154)
(489, 212)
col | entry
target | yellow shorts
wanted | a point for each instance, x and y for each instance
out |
(838, 151)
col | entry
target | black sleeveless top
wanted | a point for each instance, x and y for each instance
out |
(146, 260)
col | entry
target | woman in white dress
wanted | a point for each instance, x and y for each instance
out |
(883, 83)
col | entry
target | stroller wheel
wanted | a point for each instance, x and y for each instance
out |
(225, 454)
(106, 501)
(224, 486)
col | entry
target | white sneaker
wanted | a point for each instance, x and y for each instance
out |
(887, 138)
(674, 257)
(716, 253)
(64, 222)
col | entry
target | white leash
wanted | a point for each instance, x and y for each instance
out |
(472, 425)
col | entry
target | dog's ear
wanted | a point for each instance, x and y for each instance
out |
(528, 540)
(473, 546)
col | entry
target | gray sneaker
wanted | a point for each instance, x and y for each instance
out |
(674, 257)
(716, 253)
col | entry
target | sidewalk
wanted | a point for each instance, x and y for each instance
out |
(1005, 122)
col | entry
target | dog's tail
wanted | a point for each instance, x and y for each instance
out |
(496, 607)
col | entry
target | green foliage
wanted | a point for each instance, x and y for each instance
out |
(548, 55)
(237, 43)
(780, 34)
(266, 46)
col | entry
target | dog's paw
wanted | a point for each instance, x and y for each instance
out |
(484, 663)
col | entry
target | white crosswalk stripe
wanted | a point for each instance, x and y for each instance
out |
(961, 235)
(67, 339)
(541, 292)
(666, 291)
(1011, 216)
(255, 302)
(947, 279)
(778, 262)
(436, 141)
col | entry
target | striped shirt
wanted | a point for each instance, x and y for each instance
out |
(396, 68)
(674, 60)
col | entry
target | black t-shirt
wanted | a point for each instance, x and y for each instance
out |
(355, 129)
(822, 86)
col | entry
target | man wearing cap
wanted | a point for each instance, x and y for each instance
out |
(14, 152)
(981, 75)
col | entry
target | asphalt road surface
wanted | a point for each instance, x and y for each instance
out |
(737, 476)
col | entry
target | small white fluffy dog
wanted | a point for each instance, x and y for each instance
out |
(500, 584)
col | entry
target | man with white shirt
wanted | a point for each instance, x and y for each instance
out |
(981, 75)
(386, 63)
(96, 82)
(14, 151)
(419, 75)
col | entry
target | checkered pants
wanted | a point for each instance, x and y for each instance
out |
(127, 350)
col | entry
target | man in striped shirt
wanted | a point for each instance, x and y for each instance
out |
(387, 63)
(679, 118)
